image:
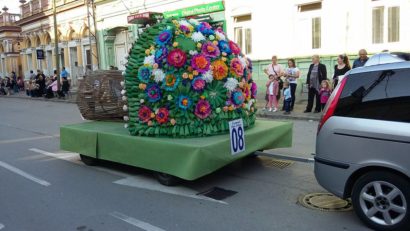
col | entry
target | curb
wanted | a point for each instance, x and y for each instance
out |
(41, 99)
(287, 117)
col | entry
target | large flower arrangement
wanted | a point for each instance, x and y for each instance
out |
(186, 79)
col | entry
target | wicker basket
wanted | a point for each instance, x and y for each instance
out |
(99, 96)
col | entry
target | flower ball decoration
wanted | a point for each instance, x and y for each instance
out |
(184, 78)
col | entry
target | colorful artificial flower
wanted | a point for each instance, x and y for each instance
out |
(205, 28)
(236, 67)
(220, 35)
(237, 98)
(173, 121)
(247, 91)
(159, 75)
(144, 74)
(234, 48)
(220, 69)
(208, 76)
(175, 44)
(153, 92)
(164, 38)
(200, 63)
(149, 60)
(210, 50)
(161, 54)
(142, 86)
(243, 60)
(218, 110)
(177, 58)
(197, 37)
(162, 115)
(198, 84)
(144, 114)
(193, 21)
(224, 47)
(231, 84)
(202, 109)
(171, 82)
(184, 102)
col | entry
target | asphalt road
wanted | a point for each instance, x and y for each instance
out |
(44, 188)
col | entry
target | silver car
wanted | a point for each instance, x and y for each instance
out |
(363, 143)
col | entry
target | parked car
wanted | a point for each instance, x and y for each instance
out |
(363, 143)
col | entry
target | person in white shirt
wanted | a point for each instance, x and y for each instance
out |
(292, 73)
(276, 70)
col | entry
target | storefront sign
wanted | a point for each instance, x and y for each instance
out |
(195, 10)
(237, 135)
(142, 18)
(40, 54)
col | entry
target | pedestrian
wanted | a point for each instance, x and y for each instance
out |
(287, 97)
(41, 82)
(65, 84)
(324, 93)
(14, 82)
(292, 73)
(317, 73)
(32, 75)
(361, 61)
(342, 66)
(276, 70)
(272, 88)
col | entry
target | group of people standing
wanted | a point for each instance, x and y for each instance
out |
(39, 85)
(283, 82)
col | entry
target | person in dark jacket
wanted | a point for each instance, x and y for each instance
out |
(317, 73)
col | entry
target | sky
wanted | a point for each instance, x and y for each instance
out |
(13, 5)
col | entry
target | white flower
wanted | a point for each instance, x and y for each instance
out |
(220, 35)
(125, 125)
(184, 23)
(123, 74)
(142, 100)
(208, 76)
(124, 98)
(231, 84)
(243, 61)
(123, 92)
(150, 60)
(159, 75)
(197, 37)
(125, 108)
(126, 118)
(194, 21)
(192, 52)
(122, 83)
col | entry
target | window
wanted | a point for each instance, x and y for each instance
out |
(377, 95)
(382, 16)
(394, 24)
(316, 33)
(243, 33)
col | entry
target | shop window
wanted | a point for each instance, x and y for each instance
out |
(243, 33)
(382, 15)
(316, 33)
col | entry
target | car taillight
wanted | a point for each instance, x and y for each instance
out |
(331, 105)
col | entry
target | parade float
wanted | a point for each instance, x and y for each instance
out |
(190, 106)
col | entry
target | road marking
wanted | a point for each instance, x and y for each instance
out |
(63, 156)
(24, 174)
(25, 139)
(135, 222)
(1, 226)
(149, 183)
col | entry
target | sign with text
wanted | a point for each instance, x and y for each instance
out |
(40, 54)
(195, 10)
(237, 135)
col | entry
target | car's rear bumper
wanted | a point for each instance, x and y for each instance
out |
(332, 175)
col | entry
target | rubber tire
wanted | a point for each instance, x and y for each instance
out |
(400, 182)
(87, 160)
(166, 179)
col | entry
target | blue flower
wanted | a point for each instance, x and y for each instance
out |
(161, 54)
(144, 74)
(237, 98)
(224, 47)
(205, 28)
(184, 102)
(153, 92)
(171, 82)
(164, 38)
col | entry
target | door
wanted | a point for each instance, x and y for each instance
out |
(73, 65)
(120, 57)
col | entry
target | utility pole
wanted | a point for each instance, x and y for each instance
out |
(57, 58)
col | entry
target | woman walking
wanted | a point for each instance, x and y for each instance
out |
(292, 73)
(342, 66)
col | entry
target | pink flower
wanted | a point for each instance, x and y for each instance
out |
(210, 50)
(198, 84)
(200, 63)
(202, 109)
(236, 67)
(177, 58)
(144, 114)
(234, 48)
(162, 115)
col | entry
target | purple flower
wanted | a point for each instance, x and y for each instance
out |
(161, 54)
(202, 109)
(200, 63)
(210, 50)
(198, 84)
(153, 92)
(164, 38)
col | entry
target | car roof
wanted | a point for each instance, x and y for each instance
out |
(381, 67)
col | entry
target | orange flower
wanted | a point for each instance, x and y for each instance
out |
(190, 76)
(202, 97)
(195, 72)
(220, 69)
(142, 86)
(152, 115)
(231, 108)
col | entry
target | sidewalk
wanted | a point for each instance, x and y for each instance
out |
(296, 114)
(22, 95)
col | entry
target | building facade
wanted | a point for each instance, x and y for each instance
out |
(9, 43)
(37, 50)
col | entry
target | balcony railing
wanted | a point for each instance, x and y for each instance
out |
(7, 19)
(37, 6)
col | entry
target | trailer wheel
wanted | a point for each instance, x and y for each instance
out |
(87, 160)
(166, 179)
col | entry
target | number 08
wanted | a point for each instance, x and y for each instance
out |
(237, 139)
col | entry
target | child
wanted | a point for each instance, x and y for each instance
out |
(324, 93)
(287, 98)
(272, 89)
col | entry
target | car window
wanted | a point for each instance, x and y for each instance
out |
(382, 95)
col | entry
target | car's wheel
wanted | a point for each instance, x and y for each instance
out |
(166, 179)
(381, 200)
(87, 160)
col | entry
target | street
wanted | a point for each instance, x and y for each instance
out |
(44, 188)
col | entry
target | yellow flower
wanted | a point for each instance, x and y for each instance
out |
(152, 47)
(231, 108)
(202, 97)
(142, 86)
(195, 72)
(199, 45)
(215, 43)
(175, 44)
(224, 59)
(177, 32)
(191, 76)
(147, 51)
(152, 115)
